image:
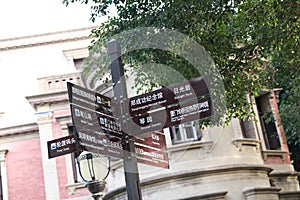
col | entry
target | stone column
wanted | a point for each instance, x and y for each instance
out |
(63, 122)
(49, 165)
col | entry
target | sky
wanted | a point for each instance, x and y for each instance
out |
(20, 18)
(26, 17)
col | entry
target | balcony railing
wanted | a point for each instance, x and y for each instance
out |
(59, 82)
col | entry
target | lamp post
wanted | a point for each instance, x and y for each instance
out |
(93, 169)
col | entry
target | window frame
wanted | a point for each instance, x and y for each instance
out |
(264, 108)
(182, 130)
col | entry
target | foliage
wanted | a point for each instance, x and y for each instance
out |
(254, 44)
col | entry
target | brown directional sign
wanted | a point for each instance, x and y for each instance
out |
(97, 132)
(151, 148)
(90, 120)
(98, 142)
(190, 111)
(177, 114)
(89, 99)
(151, 156)
(61, 146)
(152, 139)
(169, 95)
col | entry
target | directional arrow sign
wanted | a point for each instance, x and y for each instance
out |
(151, 148)
(61, 146)
(94, 121)
(153, 139)
(88, 99)
(93, 141)
(151, 156)
(169, 95)
(171, 116)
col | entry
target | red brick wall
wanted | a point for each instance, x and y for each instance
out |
(281, 134)
(24, 170)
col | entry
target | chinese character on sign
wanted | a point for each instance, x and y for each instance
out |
(149, 119)
(160, 95)
(181, 89)
(176, 91)
(132, 102)
(68, 141)
(138, 101)
(187, 87)
(154, 97)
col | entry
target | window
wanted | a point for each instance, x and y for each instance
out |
(248, 128)
(79, 64)
(185, 132)
(75, 57)
(267, 121)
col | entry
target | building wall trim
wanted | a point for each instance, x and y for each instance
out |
(190, 174)
(53, 97)
(19, 129)
(46, 39)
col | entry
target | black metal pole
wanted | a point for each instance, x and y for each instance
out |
(120, 94)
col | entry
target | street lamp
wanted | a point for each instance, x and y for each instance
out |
(93, 169)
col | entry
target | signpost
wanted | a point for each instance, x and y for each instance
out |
(129, 128)
(61, 146)
(101, 133)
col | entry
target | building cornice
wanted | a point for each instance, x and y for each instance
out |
(53, 97)
(19, 129)
(46, 39)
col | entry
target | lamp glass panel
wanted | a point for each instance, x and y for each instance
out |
(98, 166)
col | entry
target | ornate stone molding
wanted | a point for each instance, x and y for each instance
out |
(48, 98)
(261, 193)
(64, 120)
(243, 142)
(289, 195)
(211, 196)
(3, 155)
(20, 129)
(274, 153)
(46, 39)
(76, 53)
(44, 117)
